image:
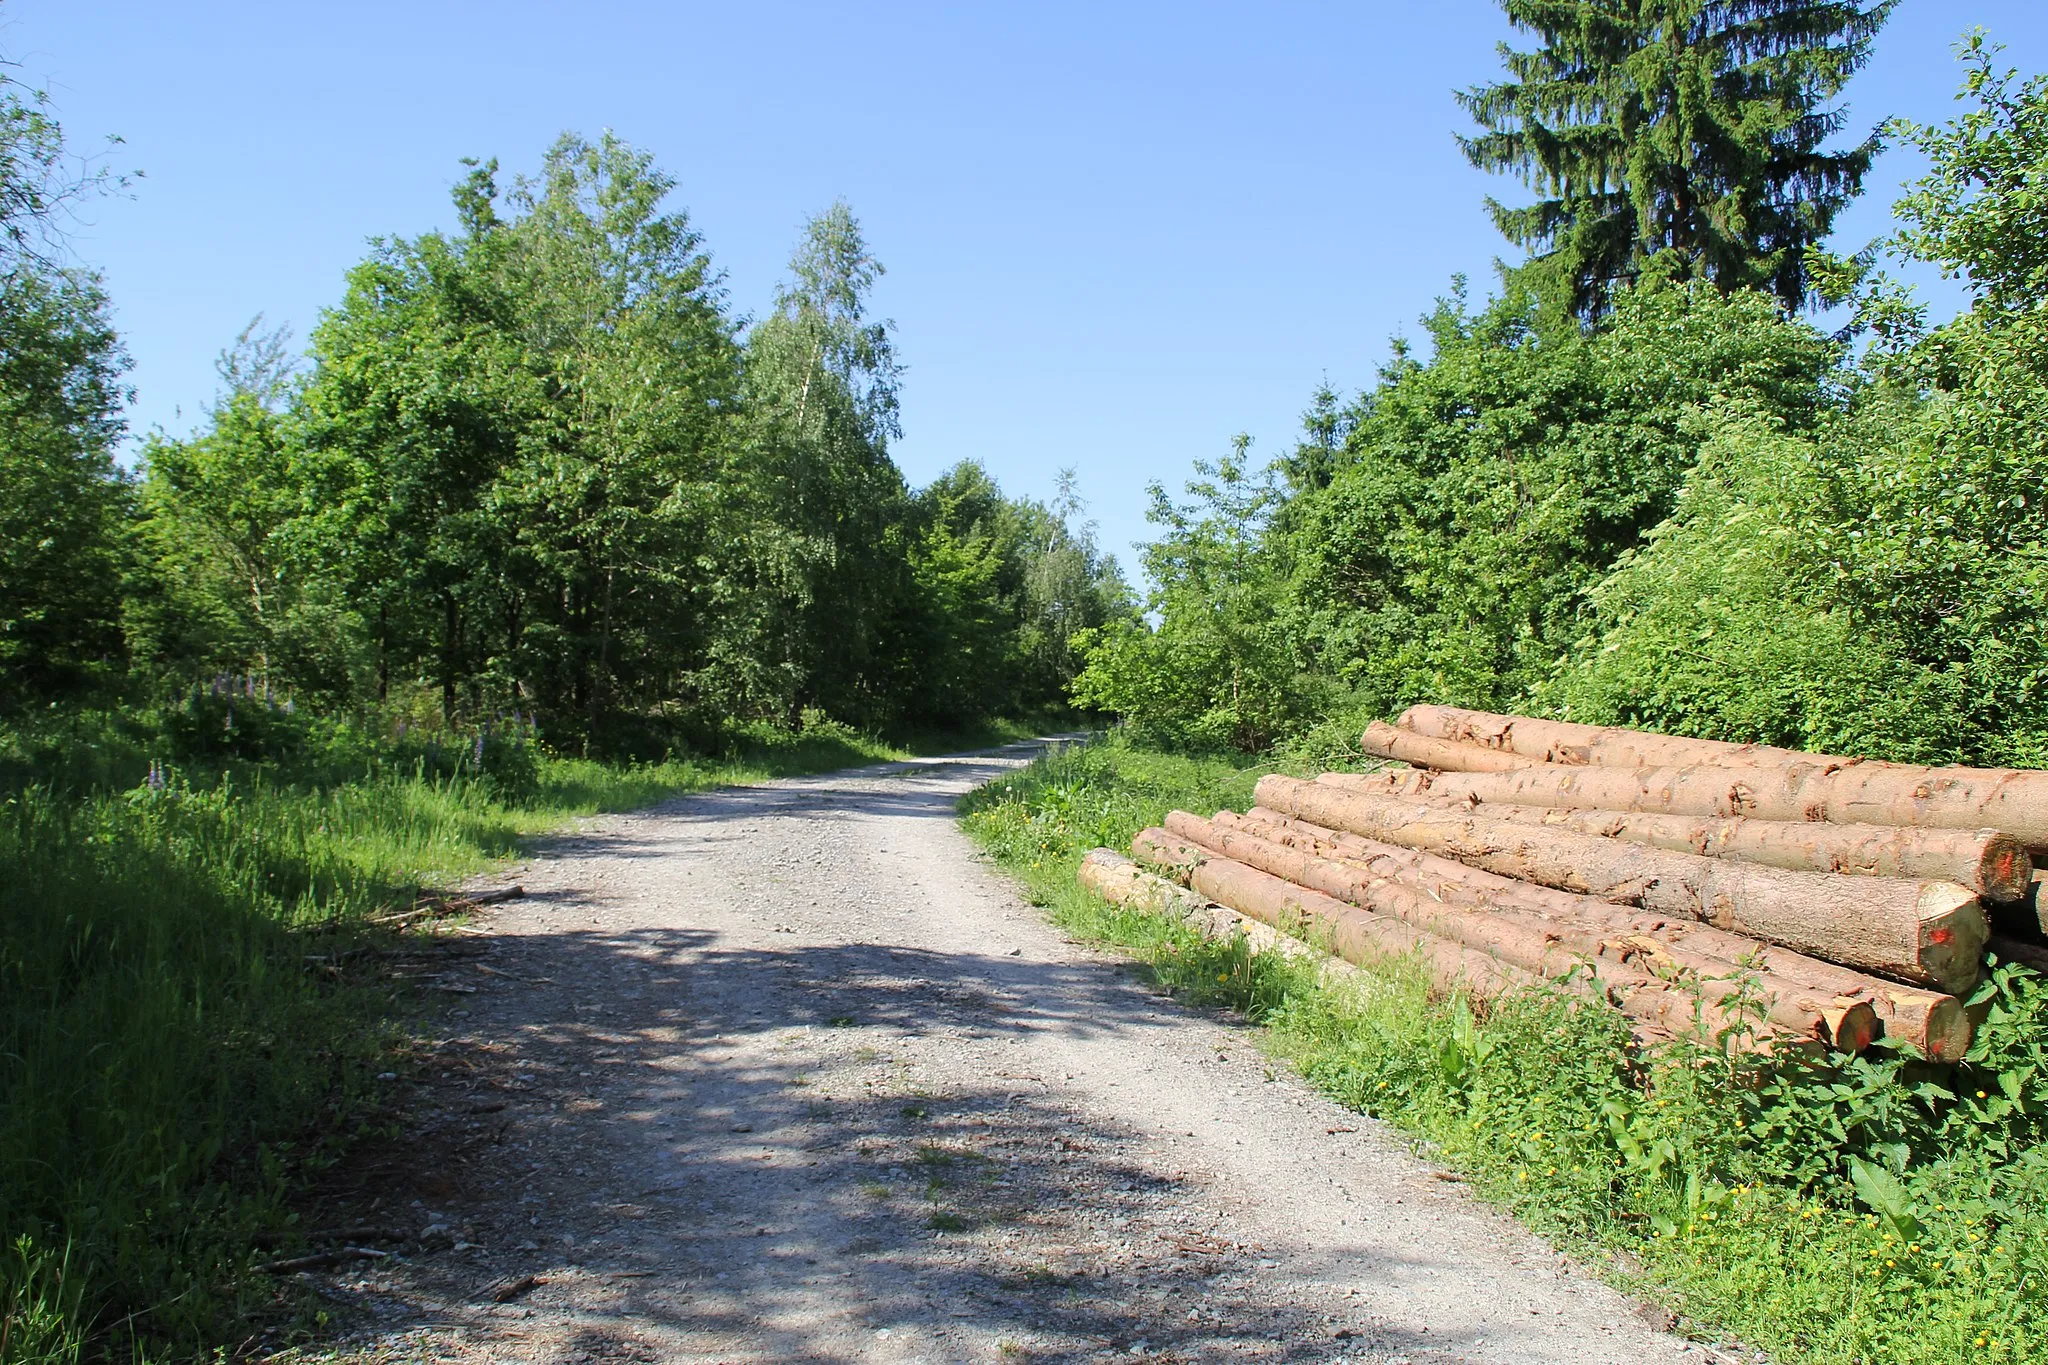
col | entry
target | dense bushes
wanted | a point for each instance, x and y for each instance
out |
(1703, 515)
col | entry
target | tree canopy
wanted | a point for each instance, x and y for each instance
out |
(1695, 127)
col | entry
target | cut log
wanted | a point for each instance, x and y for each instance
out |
(1924, 932)
(1988, 861)
(1848, 790)
(1385, 741)
(1934, 1023)
(1860, 794)
(1120, 881)
(1661, 1005)
(1609, 746)
(1117, 879)
(1619, 955)
(1342, 929)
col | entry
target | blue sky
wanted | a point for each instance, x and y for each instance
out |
(1116, 233)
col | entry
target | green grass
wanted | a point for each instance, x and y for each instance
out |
(176, 1051)
(1824, 1210)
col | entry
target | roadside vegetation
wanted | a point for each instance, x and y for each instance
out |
(191, 1012)
(535, 525)
(1674, 502)
(1848, 1209)
(1643, 484)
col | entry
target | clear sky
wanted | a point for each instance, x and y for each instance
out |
(1116, 233)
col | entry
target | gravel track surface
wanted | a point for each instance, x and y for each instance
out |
(788, 1073)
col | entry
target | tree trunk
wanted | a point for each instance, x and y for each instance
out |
(1782, 784)
(1613, 948)
(1345, 930)
(1926, 932)
(1861, 794)
(451, 647)
(1934, 1023)
(1609, 746)
(1384, 741)
(1989, 862)
(1118, 880)
(1658, 1006)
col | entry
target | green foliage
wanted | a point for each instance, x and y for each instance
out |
(1693, 128)
(1701, 516)
(537, 466)
(1482, 494)
(1218, 669)
(1822, 1209)
(1874, 585)
(63, 505)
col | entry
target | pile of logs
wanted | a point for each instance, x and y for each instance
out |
(1755, 895)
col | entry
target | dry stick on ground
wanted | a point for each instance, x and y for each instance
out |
(320, 1260)
(1808, 786)
(1532, 938)
(1926, 932)
(1342, 929)
(1990, 862)
(1456, 946)
(1934, 1023)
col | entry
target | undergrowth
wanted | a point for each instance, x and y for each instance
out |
(1840, 1209)
(174, 1054)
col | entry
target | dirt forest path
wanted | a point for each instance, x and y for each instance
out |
(786, 1073)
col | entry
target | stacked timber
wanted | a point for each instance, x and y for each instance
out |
(1755, 895)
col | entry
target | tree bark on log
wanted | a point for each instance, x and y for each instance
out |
(1925, 932)
(1424, 751)
(1990, 862)
(1933, 1022)
(1532, 940)
(1849, 790)
(1609, 746)
(1345, 930)
(1798, 793)
(1657, 1005)
(1118, 880)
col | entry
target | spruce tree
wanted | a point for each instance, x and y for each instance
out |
(1689, 126)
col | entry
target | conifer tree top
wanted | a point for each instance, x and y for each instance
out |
(1695, 127)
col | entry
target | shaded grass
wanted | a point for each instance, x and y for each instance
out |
(177, 1048)
(1873, 1209)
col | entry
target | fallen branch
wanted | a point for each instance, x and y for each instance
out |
(320, 1260)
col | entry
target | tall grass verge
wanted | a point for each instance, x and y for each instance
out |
(173, 1056)
(1872, 1209)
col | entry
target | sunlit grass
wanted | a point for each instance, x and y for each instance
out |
(175, 1048)
(1716, 1186)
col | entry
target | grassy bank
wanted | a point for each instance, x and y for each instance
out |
(1873, 1209)
(176, 1051)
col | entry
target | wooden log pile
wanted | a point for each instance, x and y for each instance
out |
(1759, 896)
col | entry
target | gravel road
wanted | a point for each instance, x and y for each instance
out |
(788, 1073)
